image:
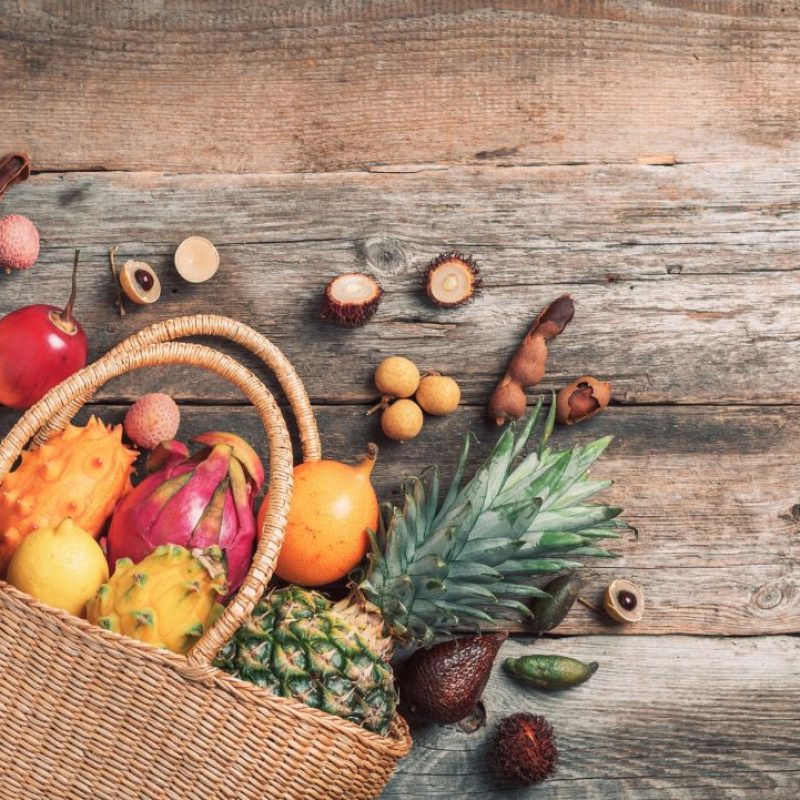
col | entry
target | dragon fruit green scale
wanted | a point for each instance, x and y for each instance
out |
(194, 501)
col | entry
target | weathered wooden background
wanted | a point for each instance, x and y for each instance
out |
(642, 156)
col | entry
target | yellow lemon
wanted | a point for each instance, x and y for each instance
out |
(63, 567)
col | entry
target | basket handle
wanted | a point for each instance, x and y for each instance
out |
(227, 328)
(82, 385)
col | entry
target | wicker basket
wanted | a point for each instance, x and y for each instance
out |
(87, 713)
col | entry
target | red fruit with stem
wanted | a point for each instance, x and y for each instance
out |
(40, 346)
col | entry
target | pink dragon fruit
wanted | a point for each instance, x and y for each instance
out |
(193, 501)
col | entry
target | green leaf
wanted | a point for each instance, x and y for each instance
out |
(515, 605)
(527, 430)
(462, 610)
(536, 566)
(549, 425)
(474, 592)
(490, 551)
(573, 519)
(432, 502)
(455, 484)
(473, 571)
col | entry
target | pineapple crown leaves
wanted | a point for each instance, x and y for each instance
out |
(433, 565)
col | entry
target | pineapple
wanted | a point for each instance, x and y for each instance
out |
(434, 567)
(296, 645)
(168, 599)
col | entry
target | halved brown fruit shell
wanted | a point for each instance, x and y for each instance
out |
(452, 279)
(139, 282)
(351, 299)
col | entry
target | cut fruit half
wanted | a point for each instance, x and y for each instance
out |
(139, 282)
(351, 299)
(196, 259)
(452, 279)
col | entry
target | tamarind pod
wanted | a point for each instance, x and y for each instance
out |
(507, 402)
(527, 366)
(554, 318)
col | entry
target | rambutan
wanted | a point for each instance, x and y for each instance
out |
(524, 749)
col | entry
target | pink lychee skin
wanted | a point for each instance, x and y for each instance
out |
(19, 242)
(152, 419)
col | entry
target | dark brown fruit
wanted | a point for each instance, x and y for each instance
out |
(452, 279)
(351, 299)
(525, 749)
(549, 612)
(443, 683)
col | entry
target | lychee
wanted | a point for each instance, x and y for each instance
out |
(19, 242)
(152, 419)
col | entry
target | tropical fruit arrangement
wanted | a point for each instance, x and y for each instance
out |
(156, 557)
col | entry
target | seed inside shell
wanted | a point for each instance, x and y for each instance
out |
(351, 299)
(139, 282)
(452, 279)
(624, 601)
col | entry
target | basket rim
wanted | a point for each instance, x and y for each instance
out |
(395, 744)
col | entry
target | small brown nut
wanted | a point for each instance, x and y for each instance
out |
(583, 398)
(624, 601)
(139, 282)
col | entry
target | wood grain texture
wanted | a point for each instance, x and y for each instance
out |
(713, 492)
(347, 85)
(686, 278)
(672, 718)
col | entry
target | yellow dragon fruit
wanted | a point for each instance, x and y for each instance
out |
(78, 473)
(168, 599)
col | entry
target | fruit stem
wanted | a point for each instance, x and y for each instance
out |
(66, 314)
(584, 602)
(381, 405)
(370, 458)
(112, 253)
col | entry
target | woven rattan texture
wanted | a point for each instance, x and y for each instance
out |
(90, 714)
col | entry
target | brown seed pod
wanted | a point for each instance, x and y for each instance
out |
(624, 601)
(508, 401)
(583, 398)
(452, 279)
(351, 299)
(527, 365)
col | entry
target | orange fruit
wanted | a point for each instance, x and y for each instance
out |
(333, 507)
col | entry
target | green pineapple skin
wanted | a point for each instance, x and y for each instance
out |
(437, 566)
(296, 645)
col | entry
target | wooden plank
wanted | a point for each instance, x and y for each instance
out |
(320, 86)
(713, 491)
(693, 268)
(663, 718)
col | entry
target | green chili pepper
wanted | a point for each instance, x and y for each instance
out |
(550, 672)
(548, 612)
